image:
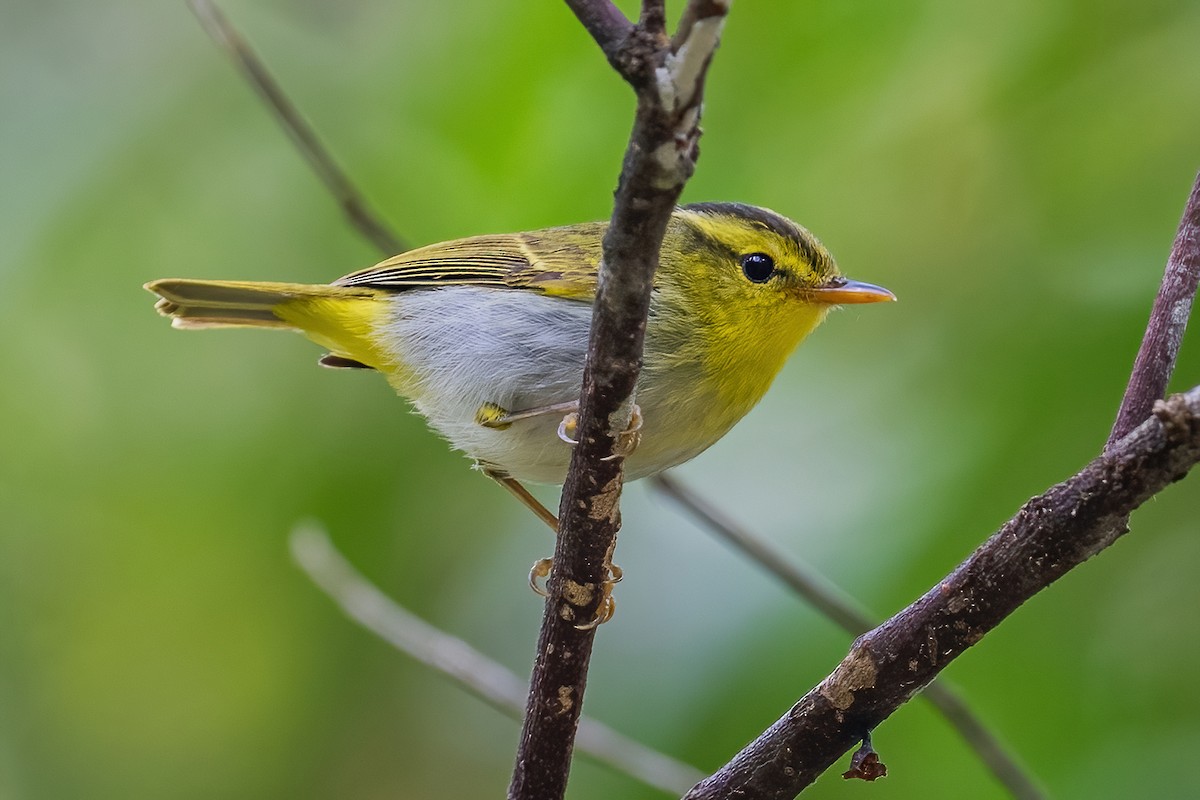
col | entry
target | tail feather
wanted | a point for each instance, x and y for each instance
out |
(192, 317)
(341, 318)
(216, 304)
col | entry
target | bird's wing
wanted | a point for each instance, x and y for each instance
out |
(559, 262)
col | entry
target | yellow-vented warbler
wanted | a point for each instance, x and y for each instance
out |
(486, 336)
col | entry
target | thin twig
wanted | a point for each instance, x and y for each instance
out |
(839, 607)
(1049, 536)
(352, 203)
(488, 680)
(1168, 320)
(820, 593)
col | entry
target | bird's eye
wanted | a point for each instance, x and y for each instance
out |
(758, 267)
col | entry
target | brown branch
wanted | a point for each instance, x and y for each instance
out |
(488, 680)
(352, 203)
(837, 606)
(1050, 535)
(605, 22)
(660, 158)
(607, 25)
(1168, 319)
(594, 738)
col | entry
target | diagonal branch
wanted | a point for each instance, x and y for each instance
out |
(602, 19)
(834, 604)
(815, 589)
(352, 203)
(661, 157)
(481, 676)
(605, 22)
(1168, 320)
(1049, 536)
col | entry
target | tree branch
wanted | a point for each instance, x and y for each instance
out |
(352, 203)
(605, 22)
(1168, 319)
(488, 680)
(1050, 535)
(837, 606)
(822, 595)
(660, 158)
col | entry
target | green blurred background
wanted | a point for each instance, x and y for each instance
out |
(1014, 173)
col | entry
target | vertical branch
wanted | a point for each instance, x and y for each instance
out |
(1168, 319)
(661, 156)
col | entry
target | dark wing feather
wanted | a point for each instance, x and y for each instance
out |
(560, 262)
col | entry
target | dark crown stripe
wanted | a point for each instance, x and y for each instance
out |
(773, 222)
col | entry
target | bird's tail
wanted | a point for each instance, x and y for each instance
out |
(338, 317)
(222, 304)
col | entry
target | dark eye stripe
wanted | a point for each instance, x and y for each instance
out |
(758, 267)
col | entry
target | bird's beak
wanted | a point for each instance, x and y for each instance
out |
(842, 291)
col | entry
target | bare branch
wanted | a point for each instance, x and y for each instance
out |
(604, 21)
(659, 160)
(488, 680)
(1050, 535)
(839, 607)
(352, 203)
(653, 19)
(609, 27)
(1168, 319)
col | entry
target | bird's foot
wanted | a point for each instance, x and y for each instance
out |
(627, 440)
(607, 607)
(497, 417)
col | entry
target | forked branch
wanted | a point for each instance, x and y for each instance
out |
(668, 80)
(1168, 320)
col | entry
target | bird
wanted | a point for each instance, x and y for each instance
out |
(486, 336)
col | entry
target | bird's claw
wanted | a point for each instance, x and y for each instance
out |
(627, 440)
(604, 611)
(567, 428)
(539, 572)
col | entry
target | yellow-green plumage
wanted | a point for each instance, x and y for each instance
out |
(501, 321)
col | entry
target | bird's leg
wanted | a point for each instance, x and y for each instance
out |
(541, 568)
(518, 491)
(491, 415)
(627, 442)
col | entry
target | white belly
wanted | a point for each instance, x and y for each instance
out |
(460, 347)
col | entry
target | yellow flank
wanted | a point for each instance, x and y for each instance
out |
(342, 324)
(491, 328)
